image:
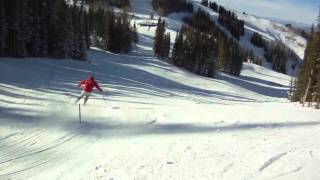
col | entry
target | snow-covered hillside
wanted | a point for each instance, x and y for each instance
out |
(155, 121)
(270, 31)
(273, 31)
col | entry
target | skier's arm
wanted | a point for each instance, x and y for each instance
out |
(97, 86)
(81, 82)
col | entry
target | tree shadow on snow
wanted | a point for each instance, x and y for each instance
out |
(140, 129)
(121, 72)
(97, 128)
(268, 88)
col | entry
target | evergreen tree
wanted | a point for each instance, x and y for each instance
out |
(237, 61)
(56, 29)
(110, 31)
(214, 6)
(204, 47)
(168, 45)
(315, 79)
(194, 51)
(221, 53)
(135, 37)
(308, 80)
(50, 19)
(177, 52)
(257, 40)
(87, 30)
(159, 36)
(117, 3)
(277, 54)
(118, 33)
(15, 38)
(200, 20)
(165, 7)
(25, 29)
(44, 29)
(61, 29)
(162, 41)
(81, 36)
(231, 22)
(3, 28)
(126, 43)
(34, 42)
(165, 46)
(205, 3)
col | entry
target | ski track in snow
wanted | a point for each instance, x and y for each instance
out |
(30, 151)
(287, 173)
(271, 161)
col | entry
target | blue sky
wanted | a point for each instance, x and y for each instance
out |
(305, 11)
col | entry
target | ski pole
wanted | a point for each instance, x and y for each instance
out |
(79, 113)
(104, 98)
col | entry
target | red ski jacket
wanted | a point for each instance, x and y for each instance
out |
(88, 84)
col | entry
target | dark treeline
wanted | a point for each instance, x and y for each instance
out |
(214, 6)
(111, 31)
(251, 58)
(275, 52)
(306, 88)
(258, 40)
(165, 7)
(46, 28)
(228, 19)
(201, 21)
(278, 54)
(115, 3)
(228, 54)
(202, 47)
(42, 28)
(195, 51)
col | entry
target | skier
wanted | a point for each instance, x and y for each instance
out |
(87, 86)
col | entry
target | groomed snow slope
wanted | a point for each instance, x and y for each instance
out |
(156, 122)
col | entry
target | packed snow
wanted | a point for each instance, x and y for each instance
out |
(153, 120)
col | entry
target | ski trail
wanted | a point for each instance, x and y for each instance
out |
(42, 150)
(271, 161)
(287, 173)
(8, 136)
(26, 143)
(36, 163)
(23, 139)
(152, 122)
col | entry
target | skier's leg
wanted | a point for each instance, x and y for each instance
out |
(86, 99)
(81, 96)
